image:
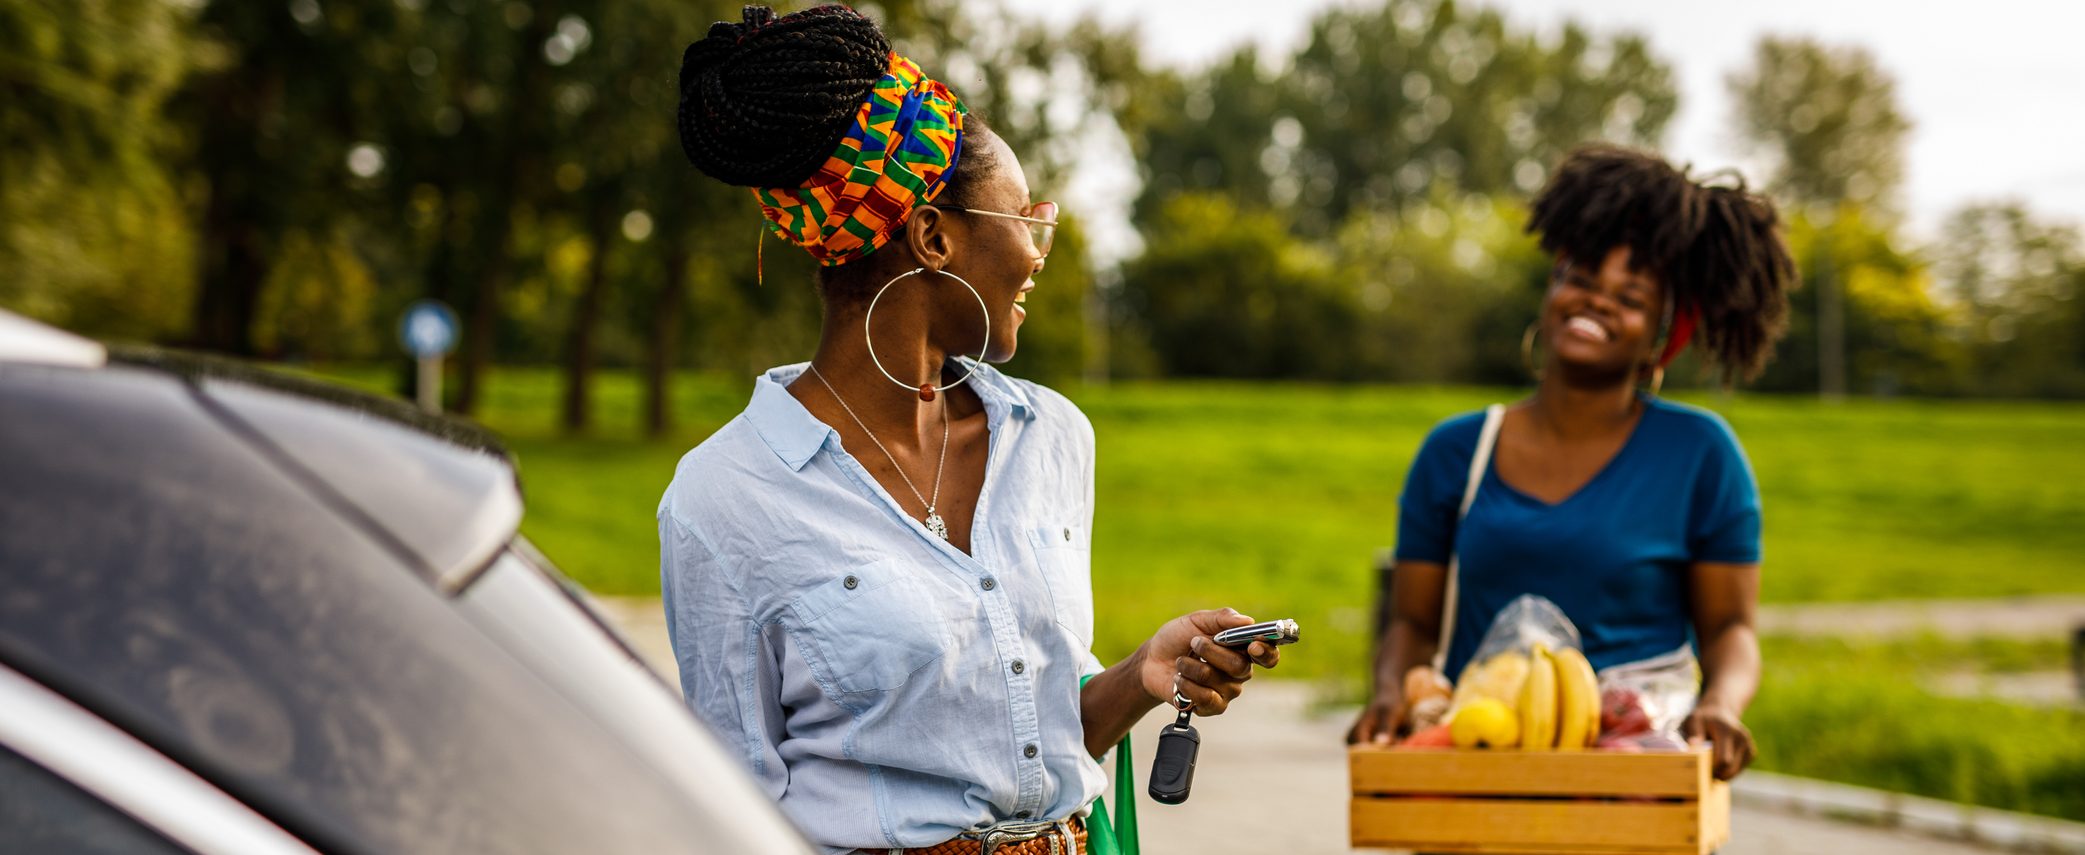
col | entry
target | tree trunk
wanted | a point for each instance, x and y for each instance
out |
(228, 297)
(481, 315)
(238, 220)
(1831, 334)
(665, 339)
(511, 189)
(579, 340)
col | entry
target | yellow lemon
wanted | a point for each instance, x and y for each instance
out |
(1485, 723)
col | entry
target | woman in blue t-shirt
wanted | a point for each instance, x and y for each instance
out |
(1639, 517)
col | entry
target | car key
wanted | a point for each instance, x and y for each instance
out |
(1173, 766)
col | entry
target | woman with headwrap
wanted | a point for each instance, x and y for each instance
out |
(876, 577)
(1638, 516)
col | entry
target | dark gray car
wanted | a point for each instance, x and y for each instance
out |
(243, 614)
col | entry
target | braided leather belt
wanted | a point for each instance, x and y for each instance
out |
(1062, 837)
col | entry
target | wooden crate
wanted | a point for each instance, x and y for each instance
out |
(1556, 803)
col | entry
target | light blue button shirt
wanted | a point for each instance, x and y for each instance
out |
(887, 689)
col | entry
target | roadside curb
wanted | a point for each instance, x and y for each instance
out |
(2014, 832)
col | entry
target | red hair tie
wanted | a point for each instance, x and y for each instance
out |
(1682, 330)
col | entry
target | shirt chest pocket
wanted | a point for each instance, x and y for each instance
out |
(1065, 556)
(869, 628)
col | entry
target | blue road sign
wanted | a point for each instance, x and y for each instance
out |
(428, 329)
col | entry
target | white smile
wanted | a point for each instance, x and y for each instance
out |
(1588, 328)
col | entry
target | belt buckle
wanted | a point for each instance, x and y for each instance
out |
(1020, 832)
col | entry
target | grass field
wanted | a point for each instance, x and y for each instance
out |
(1273, 499)
(1858, 712)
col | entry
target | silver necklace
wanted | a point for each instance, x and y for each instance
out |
(933, 521)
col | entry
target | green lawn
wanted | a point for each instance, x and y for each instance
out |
(1857, 712)
(1273, 498)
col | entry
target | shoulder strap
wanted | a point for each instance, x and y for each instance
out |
(1487, 439)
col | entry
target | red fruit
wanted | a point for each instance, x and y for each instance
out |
(1432, 737)
(1622, 713)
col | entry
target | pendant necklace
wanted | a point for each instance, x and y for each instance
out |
(933, 521)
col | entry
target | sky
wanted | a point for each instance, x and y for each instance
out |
(1995, 89)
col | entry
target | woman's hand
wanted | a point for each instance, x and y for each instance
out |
(1730, 741)
(1379, 720)
(1184, 657)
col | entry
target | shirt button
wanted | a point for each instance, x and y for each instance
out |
(1020, 666)
(1067, 534)
(988, 584)
(1030, 751)
(851, 583)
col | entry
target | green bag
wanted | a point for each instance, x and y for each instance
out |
(1120, 836)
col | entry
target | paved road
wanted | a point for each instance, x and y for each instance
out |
(1272, 777)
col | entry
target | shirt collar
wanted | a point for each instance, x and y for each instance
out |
(796, 436)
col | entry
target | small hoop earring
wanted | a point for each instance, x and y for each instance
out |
(1657, 378)
(1527, 350)
(926, 390)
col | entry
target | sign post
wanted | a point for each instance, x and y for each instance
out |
(428, 332)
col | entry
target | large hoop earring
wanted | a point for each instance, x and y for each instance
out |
(1657, 378)
(1527, 350)
(926, 390)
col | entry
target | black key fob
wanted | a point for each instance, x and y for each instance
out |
(1173, 767)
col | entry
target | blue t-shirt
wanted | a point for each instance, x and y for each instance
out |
(1614, 556)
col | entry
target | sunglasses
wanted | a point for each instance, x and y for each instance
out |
(1041, 218)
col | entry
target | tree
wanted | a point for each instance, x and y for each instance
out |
(275, 129)
(2018, 285)
(1225, 292)
(1827, 118)
(1896, 333)
(615, 134)
(1382, 102)
(92, 232)
(1446, 287)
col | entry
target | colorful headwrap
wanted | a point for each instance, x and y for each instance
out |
(896, 156)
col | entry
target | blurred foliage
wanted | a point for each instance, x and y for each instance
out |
(86, 198)
(281, 178)
(1383, 101)
(1225, 292)
(1828, 120)
(2017, 285)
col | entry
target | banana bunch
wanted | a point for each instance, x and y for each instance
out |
(1539, 701)
(1560, 703)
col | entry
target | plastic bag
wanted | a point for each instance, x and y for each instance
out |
(1495, 704)
(1526, 620)
(1515, 630)
(1501, 663)
(1644, 704)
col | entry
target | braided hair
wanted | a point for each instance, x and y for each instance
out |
(764, 102)
(1717, 249)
